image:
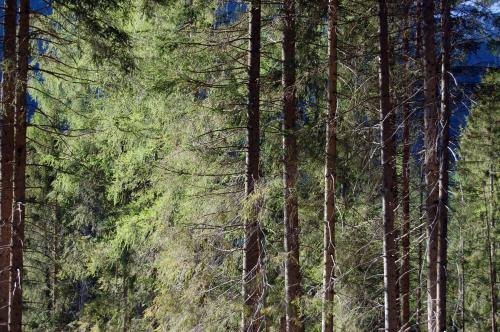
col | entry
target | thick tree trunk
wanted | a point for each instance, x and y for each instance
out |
(7, 150)
(444, 166)
(405, 178)
(330, 173)
(431, 161)
(252, 281)
(16, 257)
(290, 163)
(389, 171)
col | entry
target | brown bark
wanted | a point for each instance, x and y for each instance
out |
(16, 256)
(431, 161)
(330, 174)
(389, 174)
(405, 179)
(290, 164)
(252, 281)
(7, 150)
(444, 166)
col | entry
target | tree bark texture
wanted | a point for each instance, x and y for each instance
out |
(330, 173)
(444, 166)
(431, 162)
(16, 255)
(252, 282)
(405, 177)
(388, 156)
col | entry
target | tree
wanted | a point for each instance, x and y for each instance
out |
(476, 185)
(430, 159)
(252, 280)
(388, 157)
(330, 173)
(7, 151)
(290, 171)
(444, 166)
(405, 176)
(16, 255)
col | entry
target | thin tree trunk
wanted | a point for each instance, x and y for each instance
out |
(492, 252)
(462, 276)
(330, 173)
(444, 166)
(7, 150)
(389, 170)
(418, 56)
(290, 163)
(418, 319)
(405, 179)
(56, 242)
(16, 258)
(431, 161)
(252, 282)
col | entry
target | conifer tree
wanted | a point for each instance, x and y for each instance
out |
(18, 219)
(7, 151)
(330, 173)
(430, 160)
(405, 176)
(388, 156)
(252, 280)
(290, 171)
(445, 116)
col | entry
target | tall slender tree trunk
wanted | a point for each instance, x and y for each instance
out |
(405, 178)
(420, 262)
(16, 256)
(389, 171)
(431, 161)
(252, 281)
(290, 164)
(330, 173)
(418, 57)
(444, 166)
(490, 225)
(7, 150)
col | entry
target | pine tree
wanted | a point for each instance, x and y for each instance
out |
(252, 279)
(330, 173)
(18, 219)
(442, 273)
(7, 151)
(290, 171)
(388, 155)
(431, 164)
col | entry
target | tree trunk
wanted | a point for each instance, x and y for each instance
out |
(490, 225)
(431, 161)
(252, 281)
(405, 179)
(389, 171)
(330, 173)
(418, 318)
(16, 258)
(444, 166)
(418, 57)
(290, 163)
(7, 150)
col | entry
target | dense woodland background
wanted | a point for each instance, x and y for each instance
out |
(144, 203)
